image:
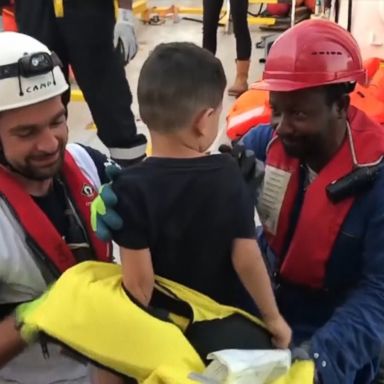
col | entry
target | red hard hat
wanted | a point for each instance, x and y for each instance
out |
(311, 54)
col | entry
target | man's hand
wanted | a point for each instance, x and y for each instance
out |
(251, 170)
(11, 341)
(124, 35)
(29, 332)
(280, 330)
(103, 217)
(244, 157)
(16, 331)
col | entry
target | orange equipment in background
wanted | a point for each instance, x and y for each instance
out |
(370, 98)
(250, 109)
(9, 22)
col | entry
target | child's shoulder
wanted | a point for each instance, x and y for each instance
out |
(131, 179)
(229, 165)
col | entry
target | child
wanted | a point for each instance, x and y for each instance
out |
(188, 215)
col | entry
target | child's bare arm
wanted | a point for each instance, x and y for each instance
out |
(138, 275)
(250, 267)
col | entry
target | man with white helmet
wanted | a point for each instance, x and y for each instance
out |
(97, 38)
(46, 188)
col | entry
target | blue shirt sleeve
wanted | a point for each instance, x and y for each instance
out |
(349, 344)
(257, 140)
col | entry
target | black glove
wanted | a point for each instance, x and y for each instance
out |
(247, 162)
(303, 353)
(245, 158)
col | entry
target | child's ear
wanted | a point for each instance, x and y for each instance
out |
(202, 121)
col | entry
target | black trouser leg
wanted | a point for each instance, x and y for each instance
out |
(211, 16)
(84, 38)
(87, 29)
(36, 18)
(239, 11)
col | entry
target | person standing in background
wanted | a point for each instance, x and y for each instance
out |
(92, 36)
(239, 12)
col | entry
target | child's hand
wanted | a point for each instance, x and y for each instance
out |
(281, 332)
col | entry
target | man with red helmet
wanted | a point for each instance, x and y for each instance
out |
(322, 202)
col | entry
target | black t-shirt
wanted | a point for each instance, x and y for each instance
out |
(187, 212)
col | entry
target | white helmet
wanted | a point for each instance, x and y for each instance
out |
(29, 72)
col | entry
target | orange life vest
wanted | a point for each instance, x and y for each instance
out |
(305, 258)
(39, 228)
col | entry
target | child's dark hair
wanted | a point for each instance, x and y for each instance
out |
(177, 81)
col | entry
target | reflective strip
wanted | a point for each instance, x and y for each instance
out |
(59, 8)
(116, 5)
(128, 153)
(239, 119)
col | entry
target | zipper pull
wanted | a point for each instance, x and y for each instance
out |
(44, 347)
(276, 280)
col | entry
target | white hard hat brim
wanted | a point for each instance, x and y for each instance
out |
(31, 90)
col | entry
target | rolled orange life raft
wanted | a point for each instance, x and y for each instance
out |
(250, 109)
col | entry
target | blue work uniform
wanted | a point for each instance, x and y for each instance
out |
(344, 322)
